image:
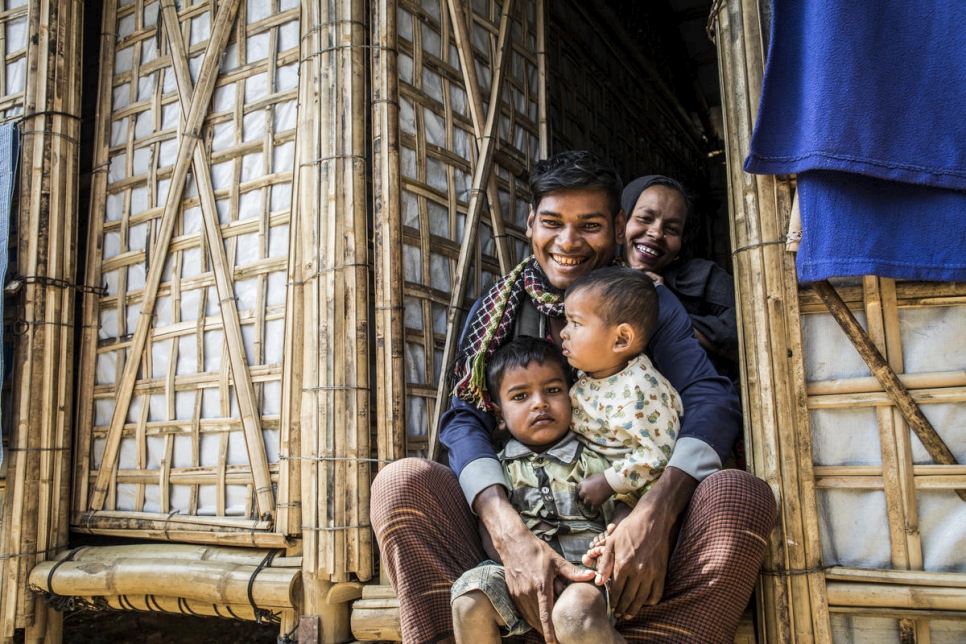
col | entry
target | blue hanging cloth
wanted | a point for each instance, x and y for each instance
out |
(866, 102)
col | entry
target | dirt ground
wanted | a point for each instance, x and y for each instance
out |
(110, 627)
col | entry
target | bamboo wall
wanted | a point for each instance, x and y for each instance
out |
(872, 517)
(180, 420)
(458, 217)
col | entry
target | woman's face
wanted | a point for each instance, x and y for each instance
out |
(652, 237)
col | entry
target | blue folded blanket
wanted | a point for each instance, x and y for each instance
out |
(870, 90)
(858, 225)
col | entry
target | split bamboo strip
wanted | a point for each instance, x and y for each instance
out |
(37, 484)
(481, 173)
(543, 120)
(208, 581)
(458, 13)
(792, 606)
(896, 596)
(387, 236)
(132, 529)
(244, 389)
(890, 382)
(869, 384)
(897, 577)
(221, 29)
(92, 273)
(335, 400)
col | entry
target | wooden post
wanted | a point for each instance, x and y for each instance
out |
(791, 594)
(35, 513)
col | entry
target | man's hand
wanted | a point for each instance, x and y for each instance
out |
(638, 550)
(594, 490)
(531, 565)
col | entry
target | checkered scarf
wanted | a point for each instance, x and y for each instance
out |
(493, 324)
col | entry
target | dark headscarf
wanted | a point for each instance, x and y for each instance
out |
(632, 191)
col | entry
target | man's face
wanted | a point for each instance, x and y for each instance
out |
(655, 228)
(534, 404)
(573, 232)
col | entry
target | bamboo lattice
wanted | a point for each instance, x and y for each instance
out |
(180, 417)
(457, 164)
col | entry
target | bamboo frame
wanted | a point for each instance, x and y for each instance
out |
(34, 524)
(792, 603)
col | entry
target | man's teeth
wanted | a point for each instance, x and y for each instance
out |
(646, 250)
(567, 261)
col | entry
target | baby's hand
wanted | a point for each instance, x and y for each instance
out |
(594, 490)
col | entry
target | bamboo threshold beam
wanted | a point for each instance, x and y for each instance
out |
(207, 75)
(887, 378)
(180, 552)
(480, 174)
(228, 306)
(207, 581)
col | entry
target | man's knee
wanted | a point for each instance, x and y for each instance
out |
(738, 497)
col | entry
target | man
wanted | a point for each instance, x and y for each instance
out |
(427, 533)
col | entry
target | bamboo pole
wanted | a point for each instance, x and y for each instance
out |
(792, 605)
(209, 581)
(467, 249)
(887, 378)
(34, 524)
(335, 406)
(387, 237)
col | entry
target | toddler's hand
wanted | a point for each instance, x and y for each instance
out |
(594, 490)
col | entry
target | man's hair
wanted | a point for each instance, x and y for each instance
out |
(625, 295)
(576, 170)
(520, 353)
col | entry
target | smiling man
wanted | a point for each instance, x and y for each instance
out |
(684, 562)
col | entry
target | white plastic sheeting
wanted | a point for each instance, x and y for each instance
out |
(853, 522)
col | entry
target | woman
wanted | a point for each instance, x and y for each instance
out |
(657, 208)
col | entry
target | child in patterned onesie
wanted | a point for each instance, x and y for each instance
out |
(623, 408)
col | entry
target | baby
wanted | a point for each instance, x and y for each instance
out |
(623, 408)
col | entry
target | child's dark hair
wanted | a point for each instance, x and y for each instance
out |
(520, 353)
(576, 170)
(626, 295)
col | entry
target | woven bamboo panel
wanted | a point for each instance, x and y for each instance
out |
(438, 155)
(605, 96)
(195, 271)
